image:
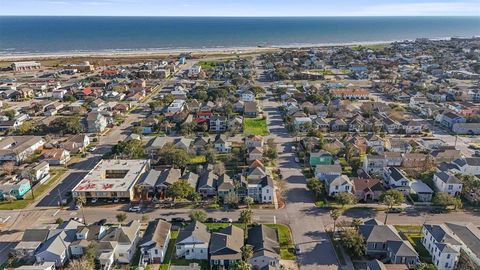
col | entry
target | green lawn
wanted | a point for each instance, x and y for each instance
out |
(413, 233)
(286, 242)
(255, 126)
(198, 159)
(209, 64)
(170, 250)
(37, 190)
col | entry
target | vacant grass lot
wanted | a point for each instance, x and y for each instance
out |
(255, 126)
(286, 242)
(209, 64)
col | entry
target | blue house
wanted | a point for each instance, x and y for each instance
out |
(14, 188)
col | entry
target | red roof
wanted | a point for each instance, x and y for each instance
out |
(87, 91)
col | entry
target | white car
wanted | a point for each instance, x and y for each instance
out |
(135, 209)
(116, 200)
(297, 160)
(94, 200)
(92, 149)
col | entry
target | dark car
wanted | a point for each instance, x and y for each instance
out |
(178, 219)
(437, 211)
(395, 210)
(212, 220)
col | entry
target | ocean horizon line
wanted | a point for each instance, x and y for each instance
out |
(246, 16)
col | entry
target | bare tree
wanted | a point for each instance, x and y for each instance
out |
(8, 168)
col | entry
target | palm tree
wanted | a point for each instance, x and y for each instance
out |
(246, 217)
(390, 202)
(247, 252)
(241, 265)
(81, 201)
(335, 214)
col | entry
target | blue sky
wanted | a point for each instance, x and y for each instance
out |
(242, 7)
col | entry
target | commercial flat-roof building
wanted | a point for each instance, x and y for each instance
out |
(112, 179)
(27, 65)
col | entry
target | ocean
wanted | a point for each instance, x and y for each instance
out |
(30, 35)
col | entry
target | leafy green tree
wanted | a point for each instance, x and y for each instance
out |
(316, 186)
(444, 199)
(194, 197)
(231, 199)
(354, 242)
(391, 198)
(249, 201)
(246, 217)
(121, 217)
(179, 190)
(66, 125)
(133, 149)
(59, 221)
(177, 157)
(91, 253)
(345, 198)
(10, 114)
(198, 215)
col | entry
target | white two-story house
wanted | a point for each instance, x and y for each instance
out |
(447, 182)
(442, 244)
(193, 241)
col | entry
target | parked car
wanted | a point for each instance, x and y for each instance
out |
(92, 149)
(477, 153)
(297, 160)
(437, 211)
(395, 210)
(178, 219)
(135, 208)
(297, 249)
(212, 220)
(94, 200)
(226, 220)
(116, 200)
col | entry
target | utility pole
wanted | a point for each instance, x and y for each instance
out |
(60, 196)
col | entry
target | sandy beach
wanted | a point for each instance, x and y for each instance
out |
(196, 52)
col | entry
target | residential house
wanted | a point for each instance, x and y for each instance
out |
(320, 158)
(261, 189)
(374, 164)
(339, 184)
(250, 109)
(218, 123)
(367, 190)
(207, 184)
(397, 179)
(96, 122)
(19, 148)
(56, 156)
(154, 243)
(468, 166)
(247, 96)
(221, 144)
(13, 187)
(255, 153)
(442, 244)
(266, 247)
(447, 182)
(384, 240)
(177, 105)
(376, 143)
(226, 246)
(393, 159)
(327, 172)
(76, 143)
(252, 141)
(31, 241)
(448, 119)
(123, 240)
(193, 242)
(422, 191)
